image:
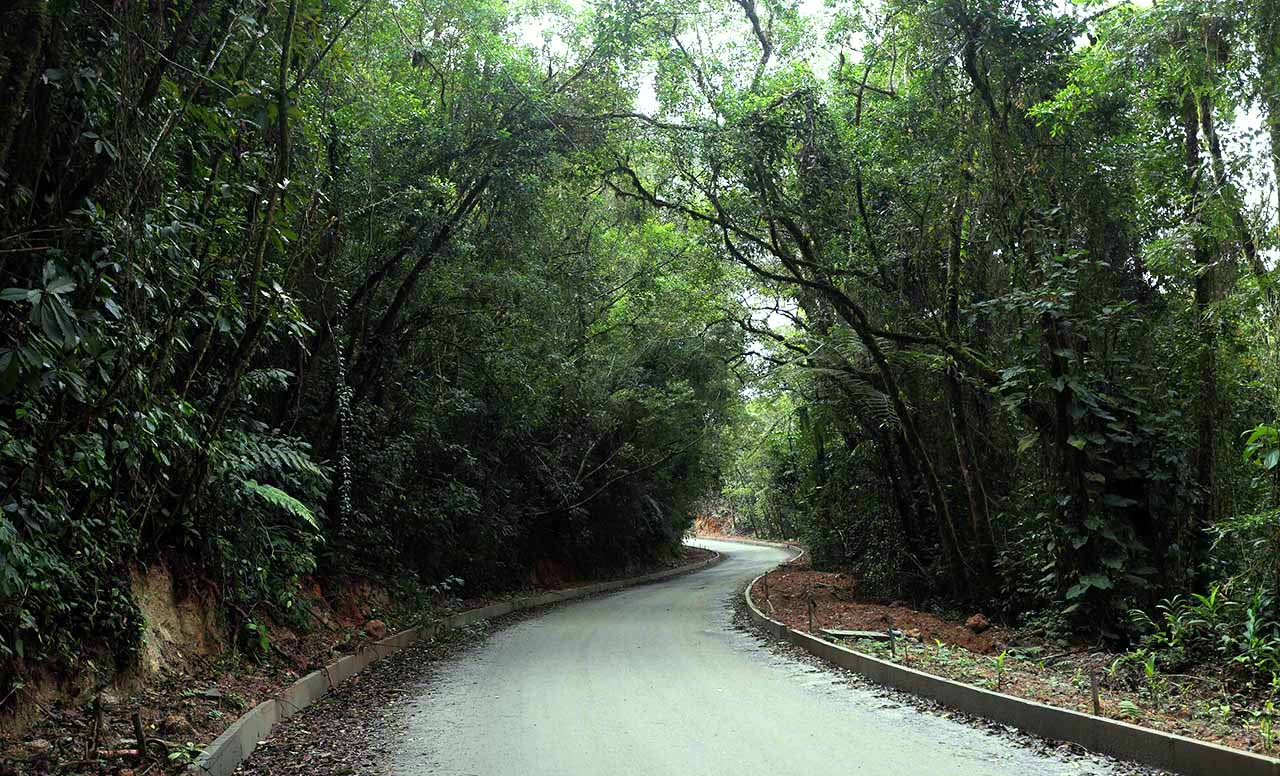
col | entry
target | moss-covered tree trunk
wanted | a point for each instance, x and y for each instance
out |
(23, 27)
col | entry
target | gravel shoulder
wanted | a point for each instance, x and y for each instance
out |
(355, 728)
(1059, 750)
(352, 730)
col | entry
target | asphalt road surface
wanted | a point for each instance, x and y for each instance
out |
(656, 681)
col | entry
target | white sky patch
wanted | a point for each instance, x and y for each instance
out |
(763, 312)
(647, 92)
(541, 32)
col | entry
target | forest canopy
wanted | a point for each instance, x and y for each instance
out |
(977, 298)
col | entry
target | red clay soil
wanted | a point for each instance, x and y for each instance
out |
(1190, 705)
(836, 596)
(711, 526)
(186, 704)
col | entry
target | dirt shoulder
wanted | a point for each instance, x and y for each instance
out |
(183, 704)
(1202, 705)
(348, 731)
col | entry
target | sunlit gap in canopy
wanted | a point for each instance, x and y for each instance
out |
(766, 316)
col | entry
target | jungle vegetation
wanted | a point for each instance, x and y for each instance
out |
(977, 297)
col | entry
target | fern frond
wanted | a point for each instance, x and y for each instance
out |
(845, 342)
(874, 402)
(278, 498)
(282, 455)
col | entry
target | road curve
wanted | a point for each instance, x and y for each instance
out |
(654, 680)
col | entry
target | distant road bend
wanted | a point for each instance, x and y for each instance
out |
(654, 681)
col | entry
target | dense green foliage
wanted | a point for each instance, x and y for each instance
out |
(977, 297)
(1016, 305)
(309, 285)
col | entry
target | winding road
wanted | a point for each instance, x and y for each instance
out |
(655, 680)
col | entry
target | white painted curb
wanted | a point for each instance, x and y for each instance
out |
(237, 742)
(1166, 751)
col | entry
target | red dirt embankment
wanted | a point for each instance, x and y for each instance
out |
(837, 606)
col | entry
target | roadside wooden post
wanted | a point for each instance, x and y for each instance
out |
(812, 606)
(140, 733)
(1093, 691)
(96, 731)
(764, 587)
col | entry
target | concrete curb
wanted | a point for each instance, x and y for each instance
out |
(1166, 751)
(238, 741)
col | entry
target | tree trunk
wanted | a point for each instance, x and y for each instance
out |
(1268, 44)
(979, 520)
(1206, 421)
(23, 27)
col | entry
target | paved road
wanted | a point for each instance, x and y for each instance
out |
(655, 681)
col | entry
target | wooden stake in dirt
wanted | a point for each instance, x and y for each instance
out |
(812, 606)
(764, 589)
(1093, 690)
(140, 734)
(96, 735)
